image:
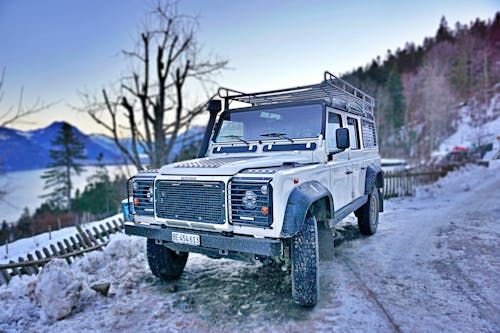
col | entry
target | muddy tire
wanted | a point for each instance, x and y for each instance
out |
(305, 264)
(165, 263)
(368, 214)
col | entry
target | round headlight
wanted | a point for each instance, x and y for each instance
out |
(250, 200)
(263, 189)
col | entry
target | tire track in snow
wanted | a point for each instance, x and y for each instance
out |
(483, 199)
(371, 294)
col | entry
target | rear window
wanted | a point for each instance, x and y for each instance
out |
(369, 134)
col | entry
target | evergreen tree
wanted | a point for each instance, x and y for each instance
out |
(443, 34)
(188, 151)
(68, 150)
(395, 88)
(101, 174)
(98, 196)
(23, 227)
(4, 232)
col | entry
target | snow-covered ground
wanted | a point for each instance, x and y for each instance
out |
(432, 267)
(24, 246)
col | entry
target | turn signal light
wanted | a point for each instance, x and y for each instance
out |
(136, 202)
(296, 181)
(264, 210)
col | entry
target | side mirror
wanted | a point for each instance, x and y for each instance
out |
(342, 136)
(214, 105)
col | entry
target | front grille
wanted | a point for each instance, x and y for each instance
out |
(190, 201)
(238, 213)
(141, 189)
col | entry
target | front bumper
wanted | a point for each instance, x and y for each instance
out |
(210, 243)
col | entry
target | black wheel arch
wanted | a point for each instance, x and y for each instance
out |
(312, 196)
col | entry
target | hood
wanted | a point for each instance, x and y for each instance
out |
(229, 166)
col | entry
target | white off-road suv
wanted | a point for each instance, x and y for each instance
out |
(273, 176)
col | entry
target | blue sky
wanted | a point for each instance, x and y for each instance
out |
(54, 48)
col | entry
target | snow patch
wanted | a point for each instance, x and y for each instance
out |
(26, 135)
(468, 133)
(58, 289)
(21, 247)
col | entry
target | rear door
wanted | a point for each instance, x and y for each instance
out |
(356, 158)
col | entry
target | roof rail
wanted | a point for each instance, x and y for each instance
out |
(331, 89)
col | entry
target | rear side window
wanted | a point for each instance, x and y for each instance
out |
(334, 122)
(352, 125)
(369, 134)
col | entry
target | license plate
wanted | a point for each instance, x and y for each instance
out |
(179, 237)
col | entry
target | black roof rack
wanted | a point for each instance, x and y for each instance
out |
(332, 89)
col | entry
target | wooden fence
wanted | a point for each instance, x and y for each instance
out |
(85, 240)
(396, 183)
(403, 183)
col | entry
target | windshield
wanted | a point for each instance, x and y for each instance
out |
(286, 123)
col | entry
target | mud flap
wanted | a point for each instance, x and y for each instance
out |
(325, 241)
(375, 179)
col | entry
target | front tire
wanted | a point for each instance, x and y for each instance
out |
(165, 263)
(368, 214)
(305, 264)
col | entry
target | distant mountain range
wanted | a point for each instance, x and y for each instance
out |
(28, 150)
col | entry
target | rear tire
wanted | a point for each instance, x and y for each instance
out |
(305, 264)
(368, 214)
(165, 263)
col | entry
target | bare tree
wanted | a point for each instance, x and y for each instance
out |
(437, 104)
(13, 113)
(150, 104)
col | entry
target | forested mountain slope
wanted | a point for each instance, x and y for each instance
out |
(424, 92)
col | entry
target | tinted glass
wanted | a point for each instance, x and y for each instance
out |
(368, 132)
(352, 125)
(334, 122)
(274, 123)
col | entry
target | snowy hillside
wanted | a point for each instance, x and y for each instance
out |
(432, 267)
(470, 132)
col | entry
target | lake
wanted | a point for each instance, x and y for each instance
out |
(25, 187)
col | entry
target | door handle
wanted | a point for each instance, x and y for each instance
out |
(348, 172)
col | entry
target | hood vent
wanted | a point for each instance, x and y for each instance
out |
(209, 163)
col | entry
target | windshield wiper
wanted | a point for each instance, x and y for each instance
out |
(237, 138)
(277, 135)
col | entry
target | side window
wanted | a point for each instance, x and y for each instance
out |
(369, 134)
(352, 125)
(334, 122)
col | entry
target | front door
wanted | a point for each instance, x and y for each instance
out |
(340, 166)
